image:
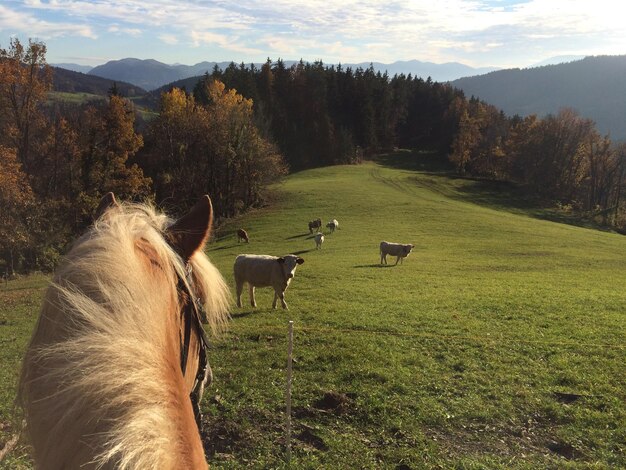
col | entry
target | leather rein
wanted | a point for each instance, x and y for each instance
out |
(192, 316)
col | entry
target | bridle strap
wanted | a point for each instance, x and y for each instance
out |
(191, 316)
(186, 319)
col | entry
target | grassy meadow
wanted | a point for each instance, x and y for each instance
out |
(500, 342)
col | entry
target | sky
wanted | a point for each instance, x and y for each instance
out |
(479, 33)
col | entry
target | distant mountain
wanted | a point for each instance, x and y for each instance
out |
(151, 74)
(593, 86)
(74, 67)
(437, 72)
(76, 82)
(559, 59)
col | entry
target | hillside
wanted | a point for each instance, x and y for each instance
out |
(69, 81)
(498, 343)
(594, 86)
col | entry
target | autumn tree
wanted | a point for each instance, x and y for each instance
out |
(25, 79)
(551, 154)
(212, 147)
(108, 141)
(466, 138)
(17, 201)
(240, 158)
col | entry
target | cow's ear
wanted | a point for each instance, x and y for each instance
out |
(281, 260)
(299, 261)
(189, 233)
(107, 202)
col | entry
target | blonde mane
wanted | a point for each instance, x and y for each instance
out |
(101, 384)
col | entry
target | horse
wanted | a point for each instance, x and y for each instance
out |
(117, 360)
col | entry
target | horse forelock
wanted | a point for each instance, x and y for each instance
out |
(115, 297)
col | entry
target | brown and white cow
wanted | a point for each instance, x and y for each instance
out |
(315, 224)
(242, 235)
(332, 225)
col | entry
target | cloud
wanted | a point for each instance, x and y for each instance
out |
(13, 21)
(356, 30)
(169, 39)
(129, 31)
(206, 37)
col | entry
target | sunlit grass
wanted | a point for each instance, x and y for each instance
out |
(463, 356)
(74, 98)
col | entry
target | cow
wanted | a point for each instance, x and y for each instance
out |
(265, 271)
(319, 239)
(242, 235)
(315, 224)
(398, 250)
(332, 225)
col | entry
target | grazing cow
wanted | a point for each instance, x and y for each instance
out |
(315, 224)
(332, 225)
(394, 249)
(265, 271)
(319, 239)
(242, 235)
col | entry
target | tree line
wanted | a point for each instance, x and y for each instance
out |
(559, 159)
(57, 160)
(243, 127)
(321, 115)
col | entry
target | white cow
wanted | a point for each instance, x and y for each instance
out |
(265, 271)
(394, 249)
(319, 239)
(332, 225)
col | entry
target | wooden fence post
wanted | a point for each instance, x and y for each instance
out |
(288, 392)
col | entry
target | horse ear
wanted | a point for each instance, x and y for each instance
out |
(189, 233)
(107, 202)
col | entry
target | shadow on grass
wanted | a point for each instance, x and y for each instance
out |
(224, 247)
(242, 314)
(428, 161)
(297, 236)
(376, 265)
(500, 195)
(301, 252)
(510, 197)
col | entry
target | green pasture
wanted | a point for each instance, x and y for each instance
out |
(73, 98)
(498, 343)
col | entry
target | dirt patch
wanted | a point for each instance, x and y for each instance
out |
(567, 398)
(336, 402)
(310, 438)
(534, 436)
(220, 436)
(564, 450)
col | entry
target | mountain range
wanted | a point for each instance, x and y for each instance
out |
(593, 86)
(151, 74)
(70, 81)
